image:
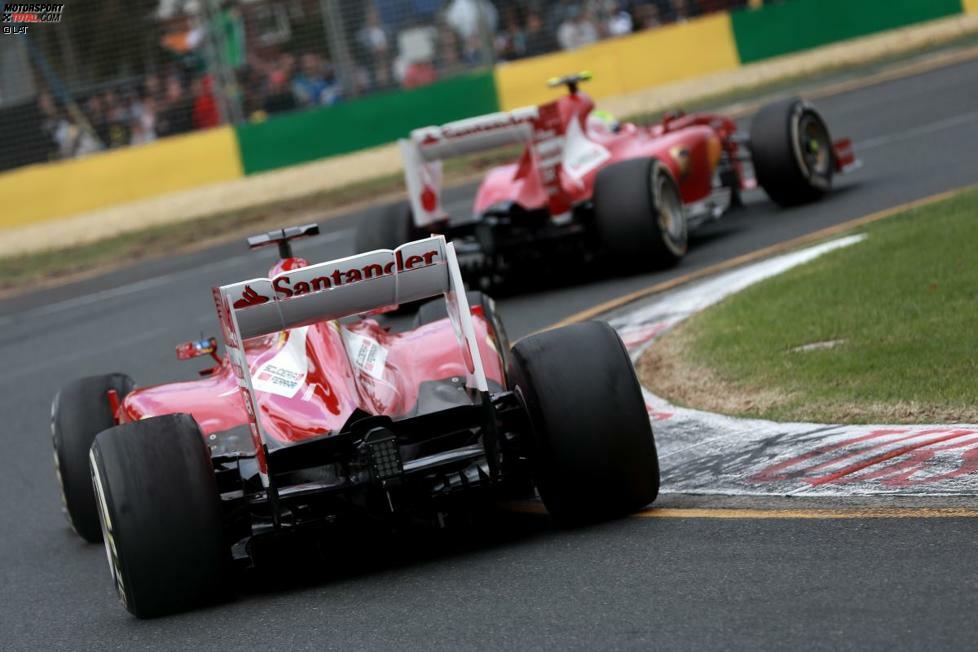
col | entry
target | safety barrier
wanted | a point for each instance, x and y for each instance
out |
(627, 63)
(804, 24)
(374, 120)
(51, 190)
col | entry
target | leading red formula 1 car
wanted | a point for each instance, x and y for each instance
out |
(586, 186)
(317, 417)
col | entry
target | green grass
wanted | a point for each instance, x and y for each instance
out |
(903, 302)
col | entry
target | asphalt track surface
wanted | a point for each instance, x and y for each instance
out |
(519, 583)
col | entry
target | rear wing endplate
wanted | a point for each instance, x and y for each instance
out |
(539, 128)
(341, 288)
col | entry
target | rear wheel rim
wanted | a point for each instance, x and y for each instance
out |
(108, 537)
(814, 145)
(672, 218)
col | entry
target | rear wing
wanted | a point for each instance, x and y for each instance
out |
(340, 288)
(539, 128)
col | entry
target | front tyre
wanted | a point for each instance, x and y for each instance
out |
(591, 442)
(79, 412)
(160, 514)
(639, 213)
(792, 152)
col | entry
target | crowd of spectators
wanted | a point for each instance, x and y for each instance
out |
(407, 42)
(128, 113)
(392, 44)
(133, 113)
(284, 82)
(513, 29)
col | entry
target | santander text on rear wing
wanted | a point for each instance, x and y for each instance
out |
(539, 128)
(340, 288)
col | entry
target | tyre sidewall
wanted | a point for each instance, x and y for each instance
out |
(386, 228)
(591, 443)
(627, 203)
(820, 181)
(776, 152)
(660, 175)
(161, 515)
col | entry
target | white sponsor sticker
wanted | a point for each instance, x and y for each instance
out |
(285, 372)
(581, 155)
(365, 353)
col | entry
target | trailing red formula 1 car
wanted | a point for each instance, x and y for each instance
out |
(587, 186)
(315, 418)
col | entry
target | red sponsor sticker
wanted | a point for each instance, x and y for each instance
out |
(250, 298)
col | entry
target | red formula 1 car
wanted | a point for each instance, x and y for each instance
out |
(317, 417)
(586, 186)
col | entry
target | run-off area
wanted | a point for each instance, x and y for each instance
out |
(706, 453)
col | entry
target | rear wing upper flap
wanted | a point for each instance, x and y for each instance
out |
(475, 134)
(339, 288)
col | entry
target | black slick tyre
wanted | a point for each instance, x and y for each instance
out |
(592, 448)
(791, 150)
(160, 514)
(386, 228)
(79, 412)
(639, 214)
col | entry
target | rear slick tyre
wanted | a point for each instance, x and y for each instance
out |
(591, 441)
(386, 228)
(639, 214)
(160, 514)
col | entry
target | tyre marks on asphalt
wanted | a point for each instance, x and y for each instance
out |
(873, 457)
(818, 513)
(749, 457)
(705, 453)
(754, 513)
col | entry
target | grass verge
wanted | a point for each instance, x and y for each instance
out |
(879, 332)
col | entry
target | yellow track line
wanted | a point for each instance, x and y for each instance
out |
(773, 514)
(820, 513)
(766, 252)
